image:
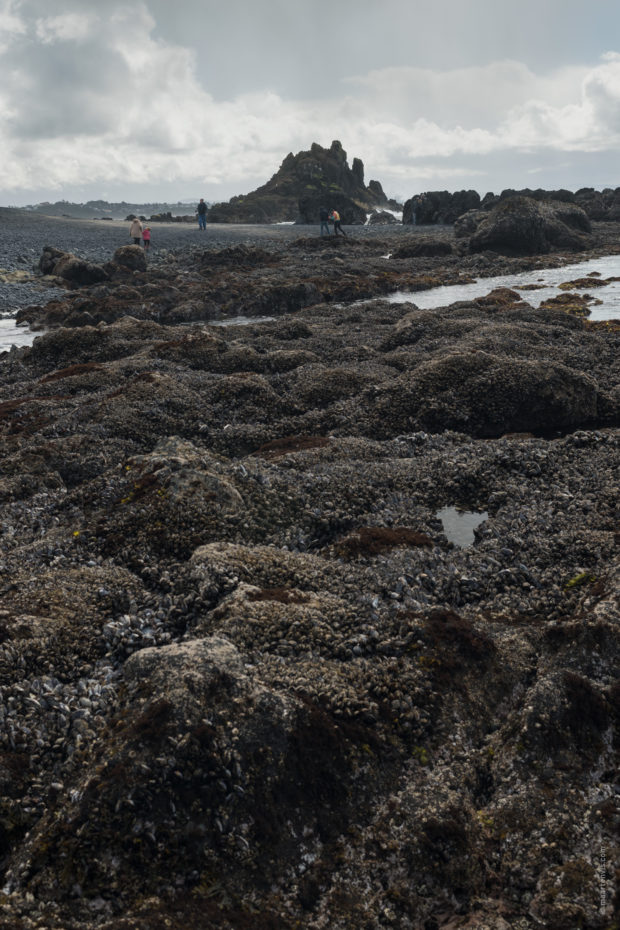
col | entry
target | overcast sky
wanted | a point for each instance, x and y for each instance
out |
(148, 100)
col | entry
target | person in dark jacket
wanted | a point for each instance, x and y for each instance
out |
(201, 210)
(324, 217)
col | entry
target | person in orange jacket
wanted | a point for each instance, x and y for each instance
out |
(335, 217)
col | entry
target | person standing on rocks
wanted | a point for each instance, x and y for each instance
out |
(146, 238)
(324, 217)
(201, 210)
(335, 216)
(417, 204)
(135, 230)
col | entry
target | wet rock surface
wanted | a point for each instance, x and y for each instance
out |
(245, 678)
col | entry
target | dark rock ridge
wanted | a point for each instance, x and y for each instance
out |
(104, 210)
(439, 207)
(246, 681)
(303, 184)
(168, 217)
(442, 207)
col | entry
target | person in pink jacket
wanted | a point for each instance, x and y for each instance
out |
(146, 238)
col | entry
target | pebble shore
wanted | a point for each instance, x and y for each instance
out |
(25, 234)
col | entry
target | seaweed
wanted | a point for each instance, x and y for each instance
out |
(151, 722)
(282, 595)
(445, 627)
(373, 540)
(287, 444)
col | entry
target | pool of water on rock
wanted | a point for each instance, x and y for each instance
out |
(548, 278)
(459, 525)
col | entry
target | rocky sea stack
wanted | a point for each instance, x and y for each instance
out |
(302, 185)
(249, 680)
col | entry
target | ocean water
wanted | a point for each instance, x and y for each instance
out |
(398, 215)
(547, 278)
(12, 335)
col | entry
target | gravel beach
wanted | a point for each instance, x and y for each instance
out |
(24, 234)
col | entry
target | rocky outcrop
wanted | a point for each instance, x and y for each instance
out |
(484, 394)
(597, 205)
(75, 271)
(303, 184)
(523, 226)
(439, 207)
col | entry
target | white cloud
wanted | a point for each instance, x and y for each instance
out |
(10, 23)
(91, 94)
(473, 97)
(66, 27)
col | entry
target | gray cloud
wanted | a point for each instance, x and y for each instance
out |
(71, 90)
(212, 96)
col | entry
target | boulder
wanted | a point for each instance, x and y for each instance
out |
(70, 268)
(612, 203)
(592, 202)
(49, 258)
(467, 224)
(487, 395)
(422, 246)
(524, 226)
(131, 256)
(570, 214)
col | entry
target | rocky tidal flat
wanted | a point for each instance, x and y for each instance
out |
(246, 680)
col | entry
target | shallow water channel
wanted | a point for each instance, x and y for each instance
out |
(547, 278)
(12, 335)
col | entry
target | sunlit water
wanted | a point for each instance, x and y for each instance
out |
(459, 525)
(12, 335)
(241, 321)
(549, 278)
